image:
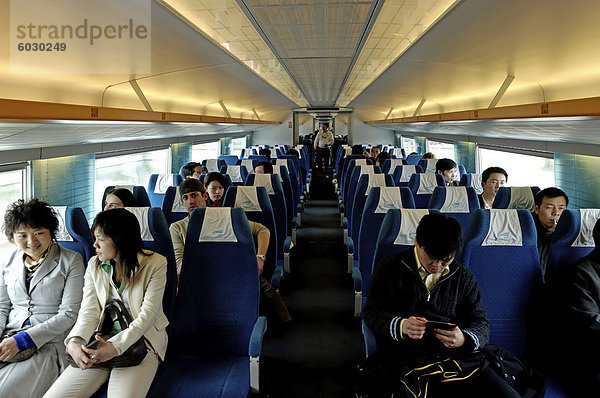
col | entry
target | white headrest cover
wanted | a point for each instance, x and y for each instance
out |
(62, 234)
(247, 199)
(389, 198)
(128, 187)
(178, 207)
(273, 152)
(264, 180)
(281, 162)
(248, 164)
(521, 198)
(299, 149)
(212, 165)
(348, 151)
(431, 165)
(277, 169)
(427, 183)
(408, 227)
(163, 181)
(360, 162)
(407, 172)
(456, 200)
(216, 226)
(375, 180)
(141, 213)
(505, 229)
(588, 221)
(367, 169)
(393, 164)
(235, 172)
(247, 153)
(476, 182)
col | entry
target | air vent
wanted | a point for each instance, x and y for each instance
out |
(544, 109)
(94, 112)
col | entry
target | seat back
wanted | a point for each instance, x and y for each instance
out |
(74, 231)
(259, 158)
(379, 201)
(295, 182)
(352, 180)
(413, 159)
(290, 199)
(212, 165)
(389, 165)
(571, 240)
(272, 184)
(172, 207)
(230, 160)
(422, 186)
(501, 251)
(428, 165)
(237, 174)
(256, 204)
(457, 202)
(139, 193)
(366, 182)
(217, 303)
(250, 164)
(158, 184)
(296, 167)
(156, 237)
(402, 173)
(472, 180)
(516, 198)
(351, 162)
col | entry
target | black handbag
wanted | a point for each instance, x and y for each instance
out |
(115, 311)
(21, 355)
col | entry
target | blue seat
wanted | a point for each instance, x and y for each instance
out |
(172, 207)
(422, 186)
(515, 198)
(294, 168)
(211, 165)
(250, 164)
(351, 162)
(139, 193)
(237, 174)
(457, 202)
(216, 336)
(259, 158)
(402, 174)
(472, 180)
(230, 160)
(348, 198)
(389, 165)
(158, 184)
(413, 159)
(379, 201)
(571, 240)
(257, 206)
(74, 231)
(507, 270)
(272, 183)
(290, 200)
(428, 165)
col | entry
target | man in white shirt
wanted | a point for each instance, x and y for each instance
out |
(322, 141)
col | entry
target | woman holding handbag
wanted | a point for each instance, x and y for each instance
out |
(122, 271)
(40, 294)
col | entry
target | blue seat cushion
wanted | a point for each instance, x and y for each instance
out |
(203, 376)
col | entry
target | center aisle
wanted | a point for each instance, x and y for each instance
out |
(315, 356)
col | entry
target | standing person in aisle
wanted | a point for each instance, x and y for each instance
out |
(323, 139)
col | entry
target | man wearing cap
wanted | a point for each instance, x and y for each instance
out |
(194, 195)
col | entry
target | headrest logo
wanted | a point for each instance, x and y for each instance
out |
(455, 204)
(246, 204)
(504, 236)
(412, 235)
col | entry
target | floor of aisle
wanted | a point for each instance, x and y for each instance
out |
(316, 355)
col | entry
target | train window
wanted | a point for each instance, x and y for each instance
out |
(12, 188)
(409, 144)
(523, 170)
(237, 144)
(131, 169)
(441, 150)
(208, 150)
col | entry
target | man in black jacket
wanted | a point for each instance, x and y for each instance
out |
(421, 285)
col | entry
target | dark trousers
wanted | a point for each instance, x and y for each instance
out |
(322, 157)
(272, 300)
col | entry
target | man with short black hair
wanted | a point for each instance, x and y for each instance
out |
(492, 179)
(381, 157)
(422, 284)
(263, 168)
(265, 152)
(192, 170)
(549, 205)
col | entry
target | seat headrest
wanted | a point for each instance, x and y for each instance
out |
(456, 200)
(408, 227)
(212, 165)
(217, 225)
(141, 213)
(235, 172)
(504, 229)
(407, 171)
(375, 180)
(128, 187)
(249, 165)
(178, 207)
(163, 182)
(367, 169)
(62, 234)
(427, 183)
(430, 165)
(273, 153)
(588, 221)
(476, 182)
(247, 198)
(360, 162)
(521, 198)
(264, 180)
(393, 164)
(389, 198)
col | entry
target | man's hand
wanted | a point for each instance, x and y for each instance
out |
(8, 349)
(261, 265)
(414, 327)
(450, 338)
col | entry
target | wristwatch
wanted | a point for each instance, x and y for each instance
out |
(262, 257)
